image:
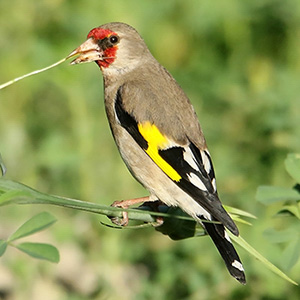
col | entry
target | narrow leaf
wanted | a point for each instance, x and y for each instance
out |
(239, 240)
(2, 167)
(35, 224)
(236, 211)
(237, 219)
(291, 254)
(7, 197)
(269, 194)
(3, 245)
(293, 209)
(40, 251)
(292, 165)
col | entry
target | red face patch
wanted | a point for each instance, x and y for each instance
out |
(109, 54)
(100, 33)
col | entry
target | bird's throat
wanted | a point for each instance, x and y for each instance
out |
(108, 57)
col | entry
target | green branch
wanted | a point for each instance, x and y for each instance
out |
(12, 192)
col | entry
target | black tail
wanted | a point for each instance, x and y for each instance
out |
(222, 241)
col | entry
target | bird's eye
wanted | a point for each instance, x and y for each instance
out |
(114, 39)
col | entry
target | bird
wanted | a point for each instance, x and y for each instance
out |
(157, 132)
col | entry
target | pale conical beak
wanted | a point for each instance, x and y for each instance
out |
(88, 51)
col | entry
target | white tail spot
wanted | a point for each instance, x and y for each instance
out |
(238, 265)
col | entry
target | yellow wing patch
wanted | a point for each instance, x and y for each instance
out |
(156, 141)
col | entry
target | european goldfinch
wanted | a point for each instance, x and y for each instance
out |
(157, 132)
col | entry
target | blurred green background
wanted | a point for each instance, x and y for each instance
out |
(238, 61)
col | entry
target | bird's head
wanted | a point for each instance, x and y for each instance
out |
(114, 47)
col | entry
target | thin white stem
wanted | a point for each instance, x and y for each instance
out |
(31, 73)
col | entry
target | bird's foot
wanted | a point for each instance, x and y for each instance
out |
(126, 204)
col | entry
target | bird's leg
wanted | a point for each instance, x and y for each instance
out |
(148, 201)
(126, 204)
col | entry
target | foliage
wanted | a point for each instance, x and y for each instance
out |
(289, 199)
(177, 225)
(37, 250)
(238, 61)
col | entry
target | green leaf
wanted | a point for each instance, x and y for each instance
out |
(237, 219)
(2, 167)
(8, 197)
(293, 209)
(177, 229)
(291, 254)
(283, 236)
(239, 240)
(236, 211)
(40, 251)
(292, 165)
(3, 246)
(269, 194)
(33, 225)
